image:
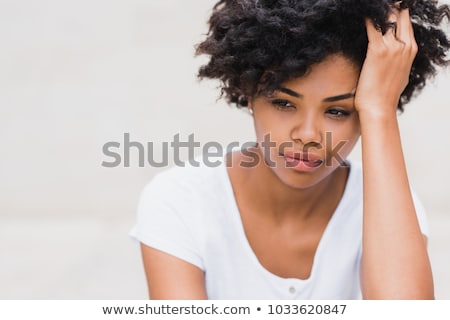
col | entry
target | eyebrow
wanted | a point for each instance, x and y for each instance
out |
(329, 99)
(339, 97)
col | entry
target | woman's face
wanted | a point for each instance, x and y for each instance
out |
(307, 128)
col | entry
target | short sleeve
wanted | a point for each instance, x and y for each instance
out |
(164, 219)
(421, 215)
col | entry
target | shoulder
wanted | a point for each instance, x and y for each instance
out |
(354, 185)
(189, 177)
(176, 208)
(184, 187)
(354, 188)
(355, 170)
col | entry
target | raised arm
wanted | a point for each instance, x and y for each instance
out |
(170, 278)
(395, 263)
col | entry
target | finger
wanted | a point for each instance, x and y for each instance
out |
(394, 16)
(373, 34)
(390, 34)
(407, 34)
(404, 27)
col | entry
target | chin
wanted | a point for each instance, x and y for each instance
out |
(303, 180)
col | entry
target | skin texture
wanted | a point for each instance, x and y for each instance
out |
(395, 263)
(303, 121)
(296, 206)
(284, 211)
(171, 278)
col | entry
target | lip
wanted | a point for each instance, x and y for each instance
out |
(305, 162)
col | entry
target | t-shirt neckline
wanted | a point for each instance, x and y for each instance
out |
(322, 242)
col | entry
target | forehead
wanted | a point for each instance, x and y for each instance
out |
(335, 75)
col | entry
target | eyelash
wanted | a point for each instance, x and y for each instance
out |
(338, 113)
(285, 105)
(282, 105)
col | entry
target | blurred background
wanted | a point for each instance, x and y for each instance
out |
(75, 75)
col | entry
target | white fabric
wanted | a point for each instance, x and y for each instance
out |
(191, 213)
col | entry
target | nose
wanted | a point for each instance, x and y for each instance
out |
(307, 131)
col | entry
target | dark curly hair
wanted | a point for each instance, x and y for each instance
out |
(256, 45)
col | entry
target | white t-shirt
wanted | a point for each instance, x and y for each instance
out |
(191, 213)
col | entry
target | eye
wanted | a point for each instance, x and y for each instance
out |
(338, 113)
(283, 105)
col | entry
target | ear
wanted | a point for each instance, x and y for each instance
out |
(250, 107)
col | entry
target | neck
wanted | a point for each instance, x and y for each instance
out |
(283, 202)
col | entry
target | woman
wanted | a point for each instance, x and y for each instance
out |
(291, 218)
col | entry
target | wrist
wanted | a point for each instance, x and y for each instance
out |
(383, 125)
(378, 114)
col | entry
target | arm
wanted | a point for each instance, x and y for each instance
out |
(170, 278)
(395, 263)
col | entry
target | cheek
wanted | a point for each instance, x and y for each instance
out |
(335, 134)
(340, 142)
(266, 128)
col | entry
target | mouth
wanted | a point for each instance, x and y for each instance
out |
(302, 160)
